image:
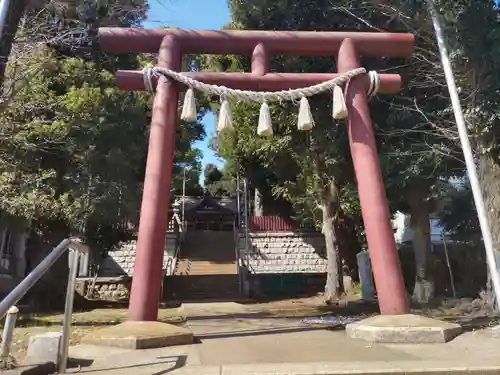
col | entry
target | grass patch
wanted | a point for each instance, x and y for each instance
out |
(84, 322)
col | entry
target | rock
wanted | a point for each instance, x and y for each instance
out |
(44, 348)
(477, 303)
(140, 335)
(409, 328)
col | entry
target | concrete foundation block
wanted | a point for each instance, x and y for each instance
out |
(407, 329)
(140, 335)
(44, 348)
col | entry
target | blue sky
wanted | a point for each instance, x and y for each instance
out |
(192, 14)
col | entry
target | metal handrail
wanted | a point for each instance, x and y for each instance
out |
(179, 242)
(246, 262)
(172, 262)
(29, 281)
(237, 256)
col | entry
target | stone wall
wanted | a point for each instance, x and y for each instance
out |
(121, 262)
(269, 252)
(285, 252)
(105, 288)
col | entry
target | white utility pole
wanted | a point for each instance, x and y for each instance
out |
(183, 194)
(4, 10)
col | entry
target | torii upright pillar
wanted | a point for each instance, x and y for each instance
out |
(156, 195)
(172, 43)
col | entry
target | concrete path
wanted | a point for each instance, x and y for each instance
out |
(234, 338)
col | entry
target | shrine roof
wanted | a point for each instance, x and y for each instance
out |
(208, 204)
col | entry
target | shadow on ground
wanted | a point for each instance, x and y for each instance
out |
(357, 309)
(175, 362)
(470, 324)
(270, 331)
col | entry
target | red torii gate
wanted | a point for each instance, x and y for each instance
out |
(172, 44)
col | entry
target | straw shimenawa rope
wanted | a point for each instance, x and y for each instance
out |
(254, 96)
(264, 128)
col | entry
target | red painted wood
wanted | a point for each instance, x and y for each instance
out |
(271, 224)
(147, 278)
(387, 273)
(133, 80)
(244, 41)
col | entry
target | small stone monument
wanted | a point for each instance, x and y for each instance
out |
(365, 276)
(44, 348)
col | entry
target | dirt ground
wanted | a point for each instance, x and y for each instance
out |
(462, 311)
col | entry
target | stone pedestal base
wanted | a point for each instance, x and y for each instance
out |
(140, 335)
(408, 329)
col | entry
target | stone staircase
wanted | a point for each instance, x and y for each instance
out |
(202, 267)
(206, 268)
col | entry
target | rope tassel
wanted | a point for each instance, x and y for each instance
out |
(265, 127)
(225, 122)
(305, 120)
(189, 113)
(339, 105)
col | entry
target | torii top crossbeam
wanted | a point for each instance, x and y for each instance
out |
(310, 43)
(234, 42)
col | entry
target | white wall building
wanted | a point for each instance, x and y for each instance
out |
(403, 232)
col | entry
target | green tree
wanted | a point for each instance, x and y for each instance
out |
(218, 183)
(212, 174)
(185, 176)
(67, 26)
(73, 145)
(459, 217)
(472, 32)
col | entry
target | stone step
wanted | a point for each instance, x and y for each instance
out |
(207, 249)
(208, 253)
(194, 240)
(186, 267)
(202, 287)
(205, 272)
(207, 263)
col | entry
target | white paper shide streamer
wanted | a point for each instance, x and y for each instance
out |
(225, 122)
(189, 113)
(305, 120)
(265, 126)
(339, 104)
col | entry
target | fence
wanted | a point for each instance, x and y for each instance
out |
(271, 224)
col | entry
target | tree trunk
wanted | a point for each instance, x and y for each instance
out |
(489, 176)
(334, 280)
(14, 14)
(258, 207)
(348, 245)
(423, 291)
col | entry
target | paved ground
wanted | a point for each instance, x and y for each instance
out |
(232, 337)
